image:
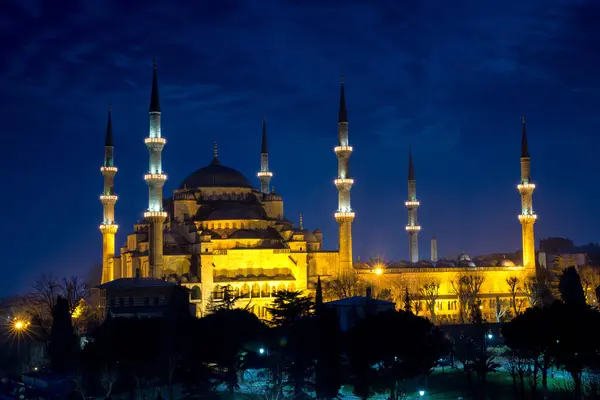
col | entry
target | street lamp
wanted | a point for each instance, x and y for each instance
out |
(421, 393)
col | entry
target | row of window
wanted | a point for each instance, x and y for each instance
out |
(256, 291)
(130, 301)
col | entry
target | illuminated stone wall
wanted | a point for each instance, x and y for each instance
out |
(494, 285)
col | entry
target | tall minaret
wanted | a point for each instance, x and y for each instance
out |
(155, 178)
(412, 204)
(344, 215)
(109, 227)
(527, 217)
(264, 175)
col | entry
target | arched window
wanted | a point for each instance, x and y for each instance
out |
(255, 290)
(281, 288)
(266, 290)
(196, 295)
(245, 291)
(291, 287)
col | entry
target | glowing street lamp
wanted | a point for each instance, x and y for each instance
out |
(421, 393)
(378, 271)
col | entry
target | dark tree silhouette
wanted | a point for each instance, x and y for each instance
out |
(63, 348)
(327, 369)
(570, 288)
(533, 335)
(401, 345)
(288, 307)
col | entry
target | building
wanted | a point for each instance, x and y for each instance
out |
(217, 231)
(136, 297)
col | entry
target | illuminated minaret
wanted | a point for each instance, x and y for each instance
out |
(344, 215)
(155, 178)
(527, 217)
(412, 204)
(108, 198)
(265, 174)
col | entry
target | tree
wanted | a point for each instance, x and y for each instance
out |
(347, 284)
(63, 348)
(38, 304)
(292, 354)
(390, 348)
(466, 288)
(570, 288)
(590, 279)
(230, 345)
(288, 307)
(407, 301)
(533, 335)
(500, 310)
(430, 292)
(228, 302)
(515, 288)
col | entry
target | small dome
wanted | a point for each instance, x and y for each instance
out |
(317, 231)
(272, 197)
(471, 264)
(507, 263)
(464, 257)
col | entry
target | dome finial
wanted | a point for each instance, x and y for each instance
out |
(301, 222)
(215, 150)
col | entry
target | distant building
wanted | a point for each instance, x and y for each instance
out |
(136, 297)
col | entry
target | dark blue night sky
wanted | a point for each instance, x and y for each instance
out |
(451, 78)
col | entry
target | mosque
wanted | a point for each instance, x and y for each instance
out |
(218, 231)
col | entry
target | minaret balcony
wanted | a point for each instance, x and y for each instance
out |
(524, 218)
(344, 215)
(343, 183)
(343, 149)
(155, 140)
(264, 174)
(108, 169)
(155, 177)
(109, 228)
(155, 214)
(108, 198)
(413, 228)
(412, 203)
(526, 186)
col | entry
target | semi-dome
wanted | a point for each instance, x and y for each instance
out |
(215, 175)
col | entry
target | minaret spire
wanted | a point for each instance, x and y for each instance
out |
(342, 115)
(527, 217)
(344, 215)
(154, 98)
(109, 130)
(155, 178)
(108, 198)
(412, 204)
(524, 145)
(265, 174)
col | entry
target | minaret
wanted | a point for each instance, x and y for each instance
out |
(155, 178)
(434, 252)
(264, 175)
(108, 198)
(344, 215)
(527, 217)
(412, 204)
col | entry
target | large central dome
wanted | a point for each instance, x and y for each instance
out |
(215, 175)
